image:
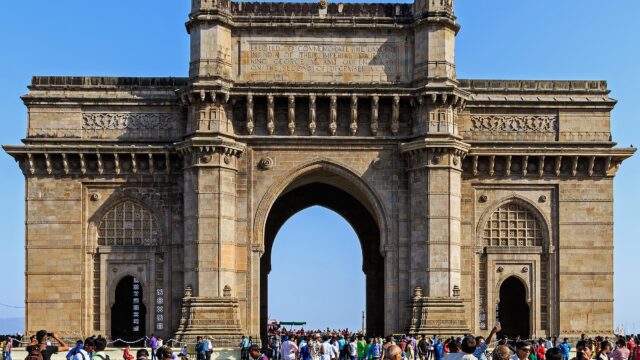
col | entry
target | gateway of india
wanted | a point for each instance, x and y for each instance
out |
(152, 204)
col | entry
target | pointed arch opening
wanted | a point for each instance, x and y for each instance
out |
(513, 309)
(129, 312)
(338, 193)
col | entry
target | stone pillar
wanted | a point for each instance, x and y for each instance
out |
(209, 241)
(434, 160)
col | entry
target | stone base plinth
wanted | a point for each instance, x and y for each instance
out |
(440, 316)
(217, 318)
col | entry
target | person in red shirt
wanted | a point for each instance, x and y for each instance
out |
(540, 349)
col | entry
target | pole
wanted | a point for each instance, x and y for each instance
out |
(362, 330)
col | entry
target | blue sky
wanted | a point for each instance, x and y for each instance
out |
(504, 39)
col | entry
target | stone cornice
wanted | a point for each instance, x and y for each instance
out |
(435, 144)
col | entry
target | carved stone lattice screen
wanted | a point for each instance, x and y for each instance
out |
(512, 225)
(128, 224)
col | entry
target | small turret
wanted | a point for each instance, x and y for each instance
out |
(439, 7)
(435, 38)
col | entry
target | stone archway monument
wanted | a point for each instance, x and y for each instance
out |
(452, 185)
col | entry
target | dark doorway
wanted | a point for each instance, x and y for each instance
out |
(513, 310)
(128, 314)
(358, 216)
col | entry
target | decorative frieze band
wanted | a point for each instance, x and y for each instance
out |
(123, 121)
(515, 123)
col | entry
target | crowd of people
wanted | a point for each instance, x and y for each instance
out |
(345, 345)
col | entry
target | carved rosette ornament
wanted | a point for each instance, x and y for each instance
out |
(266, 163)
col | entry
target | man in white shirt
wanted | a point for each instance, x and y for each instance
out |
(289, 350)
(336, 349)
(353, 349)
(327, 349)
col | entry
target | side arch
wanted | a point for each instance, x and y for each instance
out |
(368, 196)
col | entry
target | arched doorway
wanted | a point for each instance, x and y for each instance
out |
(128, 313)
(359, 217)
(513, 310)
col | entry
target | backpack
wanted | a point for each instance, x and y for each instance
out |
(35, 353)
(106, 357)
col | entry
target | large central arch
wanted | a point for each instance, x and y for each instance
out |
(337, 189)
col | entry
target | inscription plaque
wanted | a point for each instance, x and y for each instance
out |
(301, 61)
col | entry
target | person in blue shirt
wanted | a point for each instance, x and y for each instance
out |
(375, 351)
(565, 346)
(75, 350)
(482, 344)
(438, 347)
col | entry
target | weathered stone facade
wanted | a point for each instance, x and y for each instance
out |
(453, 186)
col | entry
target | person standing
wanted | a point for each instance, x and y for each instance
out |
(39, 345)
(605, 349)
(244, 348)
(208, 346)
(201, 349)
(85, 352)
(327, 349)
(6, 350)
(438, 349)
(255, 354)
(153, 344)
(352, 349)
(289, 349)
(277, 344)
(621, 352)
(523, 350)
(565, 346)
(315, 347)
(423, 347)
(361, 347)
(99, 345)
(375, 351)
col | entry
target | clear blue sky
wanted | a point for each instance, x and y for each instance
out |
(504, 39)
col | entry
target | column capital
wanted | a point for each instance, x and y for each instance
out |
(210, 152)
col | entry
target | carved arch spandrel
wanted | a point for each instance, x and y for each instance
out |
(327, 166)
